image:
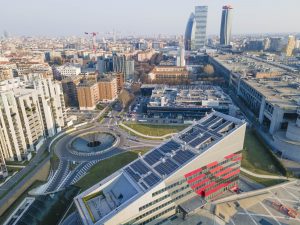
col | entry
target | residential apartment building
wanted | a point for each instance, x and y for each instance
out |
(108, 90)
(64, 71)
(181, 175)
(29, 112)
(88, 95)
(69, 85)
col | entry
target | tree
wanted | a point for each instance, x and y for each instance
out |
(209, 69)
(125, 97)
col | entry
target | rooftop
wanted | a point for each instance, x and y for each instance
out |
(284, 91)
(189, 96)
(150, 169)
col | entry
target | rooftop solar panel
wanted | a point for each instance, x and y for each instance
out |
(166, 168)
(216, 120)
(169, 147)
(200, 140)
(140, 167)
(135, 176)
(183, 156)
(151, 179)
(144, 185)
(153, 157)
(222, 126)
(208, 120)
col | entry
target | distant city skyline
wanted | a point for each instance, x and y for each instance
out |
(130, 17)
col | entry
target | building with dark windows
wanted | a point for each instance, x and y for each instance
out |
(185, 173)
(188, 32)
(226, 24)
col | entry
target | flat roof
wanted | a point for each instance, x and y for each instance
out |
(284, 93)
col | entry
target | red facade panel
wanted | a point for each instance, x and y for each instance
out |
(212, 164)
(216, 169)
(200, 183)
(193, 172)
(231, 174)
(196, 178)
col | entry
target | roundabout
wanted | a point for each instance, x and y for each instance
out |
(94, 142)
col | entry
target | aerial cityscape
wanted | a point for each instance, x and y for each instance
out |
(160, 113)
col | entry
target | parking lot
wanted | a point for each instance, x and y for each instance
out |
(273, 210)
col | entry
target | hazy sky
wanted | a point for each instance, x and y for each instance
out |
(73, 17)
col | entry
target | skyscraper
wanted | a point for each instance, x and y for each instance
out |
(199, 28)
(226, 23)
(188, 32)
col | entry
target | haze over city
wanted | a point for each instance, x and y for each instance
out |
(161, 112)
(135, 17)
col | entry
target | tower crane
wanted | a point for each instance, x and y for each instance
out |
(93, 38)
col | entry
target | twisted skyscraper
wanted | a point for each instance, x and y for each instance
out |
(226, 24)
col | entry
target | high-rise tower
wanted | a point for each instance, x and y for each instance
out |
(188, 32)
(226, 24)
(199, 28)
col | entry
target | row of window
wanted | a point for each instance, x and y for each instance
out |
(168, 187)
(157, 216)
(217, 183)
(159, 207)
(206, 170)
(163, 197)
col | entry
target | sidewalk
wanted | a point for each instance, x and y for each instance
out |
(263, 176)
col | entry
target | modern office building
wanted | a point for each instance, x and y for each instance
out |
(181, 175)
(30, 112)
(179, 104)
(129, 69)
(226, 25)
(189, 35)
(123, 65)
(271, 94)
(276, 44)
(199, 27)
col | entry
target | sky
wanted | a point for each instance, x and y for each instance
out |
(142, 17)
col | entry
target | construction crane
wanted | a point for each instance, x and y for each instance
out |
(93, 38)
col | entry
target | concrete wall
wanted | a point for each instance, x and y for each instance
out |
(39, 174)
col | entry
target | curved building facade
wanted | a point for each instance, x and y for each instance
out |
(226, 24)
(188, 32)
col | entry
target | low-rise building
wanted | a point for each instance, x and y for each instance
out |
(273, 100)
(169, 74)
(178, 104)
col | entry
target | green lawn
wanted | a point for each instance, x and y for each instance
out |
(156, 130)
(257, 157)
(106, 167)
